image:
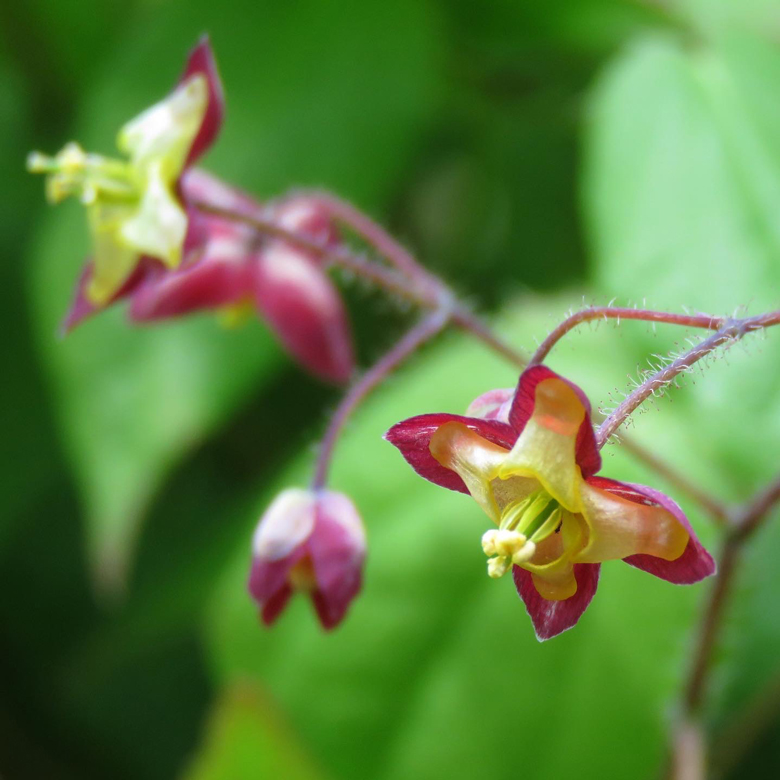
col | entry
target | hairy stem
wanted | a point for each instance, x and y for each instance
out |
(423, 289)
(425, 330)
(374, 234)
(621, 313)
(733, 330)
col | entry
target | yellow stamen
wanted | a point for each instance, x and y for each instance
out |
(498, 567)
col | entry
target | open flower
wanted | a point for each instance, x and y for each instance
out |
(531, 466)
(134, 209)
(309, 541)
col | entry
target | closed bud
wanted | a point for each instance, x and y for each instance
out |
(309, 541)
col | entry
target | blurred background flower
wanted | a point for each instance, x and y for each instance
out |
(532, 152)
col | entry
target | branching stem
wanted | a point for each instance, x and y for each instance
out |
(622, 313)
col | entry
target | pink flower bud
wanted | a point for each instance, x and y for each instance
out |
(308, 541)
(296, 296)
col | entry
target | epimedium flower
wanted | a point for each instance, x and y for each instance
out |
(312, 542)
(229, 268)
(530, 461)
(134, 208)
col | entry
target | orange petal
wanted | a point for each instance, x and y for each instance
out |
(619, 528)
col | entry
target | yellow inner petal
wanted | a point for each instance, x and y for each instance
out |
(545, 449)
(552, 566)
(619, 528)
(474, 459)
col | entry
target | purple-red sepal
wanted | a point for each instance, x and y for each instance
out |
(551, 618)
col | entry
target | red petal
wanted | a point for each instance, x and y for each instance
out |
(413, 438)
(551, 618)
(81, 308)
(208, 283)
(303, 306)
(274, 606)
(692, 566)
(337, 548)
(201, 61)
(588, 456)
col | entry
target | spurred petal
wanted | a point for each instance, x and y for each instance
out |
(201, 61)
(693, 565)
(546, 446)
(622, 523)
(476, 460)
(587, 454)
(304, 308)
(337, 547)
(551, 618)
(413, 439)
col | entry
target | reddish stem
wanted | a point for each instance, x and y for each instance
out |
(424, 290)
(617, 312)
(733, 331)
(425, 330)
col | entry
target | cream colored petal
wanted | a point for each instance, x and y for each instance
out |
(159, 225)
(113, 260)
(167, 129)
(285, 525)
(546, 447)
(474, 459)
(619, 528)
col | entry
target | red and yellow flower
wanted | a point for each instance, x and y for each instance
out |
(530, 462)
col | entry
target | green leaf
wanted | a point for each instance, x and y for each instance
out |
(133, 402)
(436, 671)
(246, 737)
(681, 193)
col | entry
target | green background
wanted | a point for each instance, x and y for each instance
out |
(538, 154)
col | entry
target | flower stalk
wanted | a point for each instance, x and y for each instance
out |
(731, 332)
(424, 331)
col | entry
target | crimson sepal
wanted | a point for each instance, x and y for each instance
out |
(551, 618)
(201, 61)
(413, 439)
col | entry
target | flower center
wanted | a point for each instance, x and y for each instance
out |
(87, 176)
(524, 523)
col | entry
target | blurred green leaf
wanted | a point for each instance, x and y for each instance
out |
(682, 194)
(246, 737)
(335, 102)
(437, 672)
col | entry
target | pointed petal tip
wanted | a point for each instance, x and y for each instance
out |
(201, 60)
(551, 618)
